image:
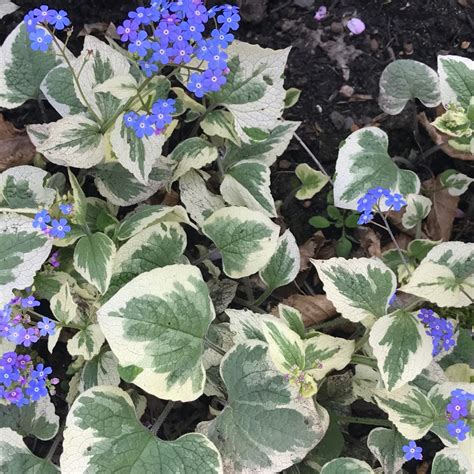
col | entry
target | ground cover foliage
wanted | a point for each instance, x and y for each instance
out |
(142, 244)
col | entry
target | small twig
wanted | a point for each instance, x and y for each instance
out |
(214, 347)
(166, 411)
(313, 157)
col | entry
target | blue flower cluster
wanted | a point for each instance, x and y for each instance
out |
(372, 199)
(20, 381)
(172, 33)
(156, 122)
(457, 411)
(440, 330)
(39, 37)
(412, 451)
(59, 227)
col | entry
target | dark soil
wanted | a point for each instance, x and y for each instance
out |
(415, 29)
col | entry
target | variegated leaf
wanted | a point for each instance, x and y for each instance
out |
(386, 445)
(346, 466)
(418, 208)
(312, 181)
(451, 460)
(456, 79)
(456, 183)
(87, 342)
(155, 325)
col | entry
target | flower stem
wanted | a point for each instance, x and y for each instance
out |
(363, 421)
(166, 411)
(214, 347)
(313, 157)
(364, 360)
(268, 291)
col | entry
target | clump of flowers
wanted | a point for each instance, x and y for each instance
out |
(20, 381)
(41, 38)
(457, 410)
(371, 201)
(412, 451)
(440, 330)
(57, 228)
(172, 33)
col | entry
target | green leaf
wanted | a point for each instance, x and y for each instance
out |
(346, 466)
(193, 153)
(418, 207)
(284, 264)
(408, 409)
(405, 79)
(265, 151)
(145, 216)
(87, 342)
(248, 184)
(352, 221)
(37, 419)
(343, 247)
(80, 202)
(246, 325)
(334, 213)
(359, 288)
(451, 460)
(292, 97)
(23, 250)
(15, 457)
(293, 319)
(220, 123)
(121, 188)
(419, 248)
(265, 426)
(100, 370)
(364, 163)
(157, 246)
(23, 188)
(58, 88)
(254, 92)
(158, 322)
(63, 306)
(22, 69)
(319, 222)
(137, 155)
(103, 434)
(456, 183)
(456, 80)
(48, 284)
(246, 239)
(386, 445)
(402, 348)
(74, 141)
(312, 181)
(198, 200)
(93, 260)
(445, 276)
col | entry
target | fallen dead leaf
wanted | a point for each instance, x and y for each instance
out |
(315, 309)
(369, 241)
(440, 139)
(15, 147)
(424, 468)
(439, 223)
(310, 249)
(402, 240)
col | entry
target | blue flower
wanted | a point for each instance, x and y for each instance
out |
(144, 126)
(66, 209)
(182, 52)
(41, 372)
(196, 85)
(47, 327)
(148, 67)
(60, 228)
(222, 38)
(365, 218)
(40, 40)
(412, 451)
(396, 201)
(30, 20)
(44, 14)
(229, 20)
(218, 60)
(130, 119)
(60, 20)
(30, 337)
(41, 219)
(205, 50)
(36, 389)
(426, 315)
(366, 203)
(17, 334)
(198, 14)
(192, 31)
(462, 394)
(128, 30)
(29, 302)
(214, 80)
(458, 430)
(457, 408)
(165, 32)
(161, 54)
(140, 15)
(140, 44)
(14, 396)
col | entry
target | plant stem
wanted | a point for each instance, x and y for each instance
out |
(361, 342)
(166, 411)
(363, 421)
(364, 360)
(54, 446)
(313, 157)
(248, 305)
(268, 291)
(399, 250)
(214, 347)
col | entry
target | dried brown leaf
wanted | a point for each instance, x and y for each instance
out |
(15, 147)
(439, 223)
(440, 139)
(310, 249)
(369, 241)
(314, 309)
